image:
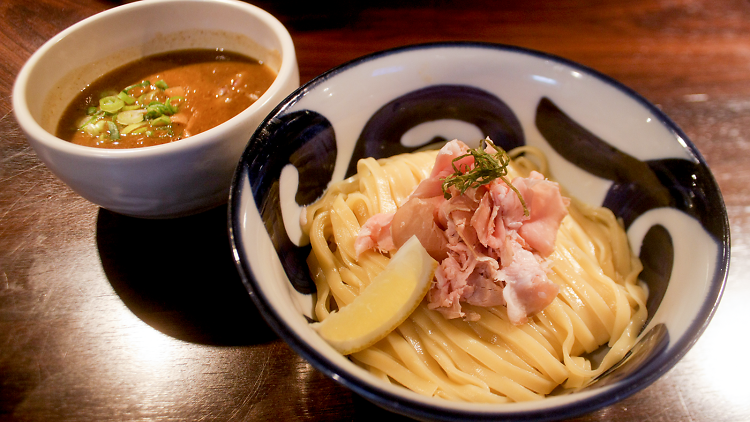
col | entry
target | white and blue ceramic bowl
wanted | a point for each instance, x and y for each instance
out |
(605, 143)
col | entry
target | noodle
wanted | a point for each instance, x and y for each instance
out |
(488, 360)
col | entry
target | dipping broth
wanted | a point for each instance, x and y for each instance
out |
(164, 98)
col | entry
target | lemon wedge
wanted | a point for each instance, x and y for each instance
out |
(389, 299)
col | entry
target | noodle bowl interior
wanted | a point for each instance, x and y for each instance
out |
(481, 353)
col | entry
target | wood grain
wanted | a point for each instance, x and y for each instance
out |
(105, 317)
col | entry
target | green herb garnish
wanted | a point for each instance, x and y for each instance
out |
(123, 114)
(142, 84)
(487, 167)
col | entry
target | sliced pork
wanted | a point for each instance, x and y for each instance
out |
(491, 252)
(417, 218)
(547, 206)
(375, 234)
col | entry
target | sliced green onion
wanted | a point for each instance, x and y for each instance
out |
(127, 99)
(91, 129)
(130, 116)
(156, 109)
(114, 133)
(153, 112)
(119, 113)
(147, 97)
(83, 121)
(141, 84)
(131, 128)
(93, 118)
(165, 109)
(111, 104)
(174, 108)
(161, 121)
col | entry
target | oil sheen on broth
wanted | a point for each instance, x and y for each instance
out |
(164, 98)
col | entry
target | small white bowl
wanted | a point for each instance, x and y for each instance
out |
(179, 178)
(605, 144)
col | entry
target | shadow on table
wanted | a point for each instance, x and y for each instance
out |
(364, 410)
(178, 276)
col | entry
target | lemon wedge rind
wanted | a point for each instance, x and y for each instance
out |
(383, 305)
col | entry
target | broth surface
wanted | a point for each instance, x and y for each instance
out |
(201, 89)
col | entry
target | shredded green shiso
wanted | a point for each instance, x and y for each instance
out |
(487, 167)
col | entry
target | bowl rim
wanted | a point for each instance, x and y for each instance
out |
(419, 409)
(38, 135)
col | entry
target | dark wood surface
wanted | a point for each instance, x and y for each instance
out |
(105, 317)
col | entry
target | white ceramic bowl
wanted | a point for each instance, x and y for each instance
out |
(168, 180)
(605, 144)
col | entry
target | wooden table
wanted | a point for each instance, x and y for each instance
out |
(107, 317)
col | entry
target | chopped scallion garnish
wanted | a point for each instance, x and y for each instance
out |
(156, 109)
(114, 133)
(132, 127)
(111, 104)
(127, 99)
(119, 113)
(161, 121)
(129, 117)
(93, 118)
(91, 129)
(174, 108)
(142, 84)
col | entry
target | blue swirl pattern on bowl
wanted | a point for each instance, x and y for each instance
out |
(664, 200)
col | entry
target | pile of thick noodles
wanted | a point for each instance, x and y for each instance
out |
(489, 360)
